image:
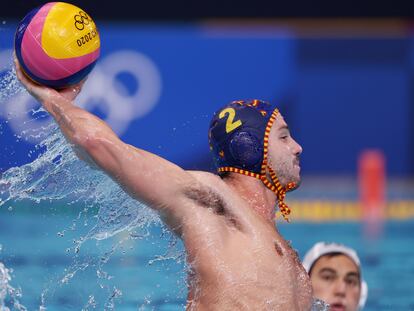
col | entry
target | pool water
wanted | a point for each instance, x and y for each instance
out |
(146, 271)
(129, 273)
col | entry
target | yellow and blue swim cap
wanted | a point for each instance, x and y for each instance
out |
(239, 137)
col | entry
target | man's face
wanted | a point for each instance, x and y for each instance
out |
(284, 153)
(336, 280)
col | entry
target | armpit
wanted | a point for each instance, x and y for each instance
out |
(206, 198)
(211, 200)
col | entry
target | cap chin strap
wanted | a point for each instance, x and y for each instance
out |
(274, 185)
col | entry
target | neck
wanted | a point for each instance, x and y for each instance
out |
(255, 193)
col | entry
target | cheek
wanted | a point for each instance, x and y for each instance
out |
(277, 153)
(281, 163)
(354, 296)
(321, 290)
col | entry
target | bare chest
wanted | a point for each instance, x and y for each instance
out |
(248, 271)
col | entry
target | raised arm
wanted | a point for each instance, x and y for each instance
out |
(145, 176)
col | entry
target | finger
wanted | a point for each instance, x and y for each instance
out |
(18, 68)
(20, 74)
(72, 92)
(78, 87)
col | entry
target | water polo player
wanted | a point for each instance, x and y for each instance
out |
(237, 258)
(335, 273)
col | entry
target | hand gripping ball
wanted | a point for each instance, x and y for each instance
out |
(57, 44)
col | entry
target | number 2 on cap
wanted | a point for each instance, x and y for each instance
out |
(231, 125)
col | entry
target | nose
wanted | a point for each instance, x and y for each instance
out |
(340, 288)
(297, 149)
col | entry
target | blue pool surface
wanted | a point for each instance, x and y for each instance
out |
(38, 246)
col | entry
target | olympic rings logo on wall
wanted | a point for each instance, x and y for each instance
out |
(103, 91)
(81, 20)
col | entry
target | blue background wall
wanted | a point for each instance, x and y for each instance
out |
(339, 95)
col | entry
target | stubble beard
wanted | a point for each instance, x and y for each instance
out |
(286, 173)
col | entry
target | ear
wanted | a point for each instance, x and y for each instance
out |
(246, 148)
(364, 295)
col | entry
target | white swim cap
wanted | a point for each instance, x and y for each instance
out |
(323, 248)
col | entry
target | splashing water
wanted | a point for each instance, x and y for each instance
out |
(9, 85)
(319, 305)
(57, 174)
(4, 286)
(7, 292)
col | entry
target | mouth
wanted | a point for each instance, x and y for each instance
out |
(296, 163)
(337, 307)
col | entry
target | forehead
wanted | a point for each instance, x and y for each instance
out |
(340, 263)
(279, 124)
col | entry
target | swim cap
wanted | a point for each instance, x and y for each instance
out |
(239, 137)
(322, 248)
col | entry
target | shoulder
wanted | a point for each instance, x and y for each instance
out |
(206, 177)
(210, 181)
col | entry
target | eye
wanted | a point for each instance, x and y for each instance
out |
(352, 282)
(327, 277)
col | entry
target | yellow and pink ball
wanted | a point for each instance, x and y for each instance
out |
(57, 44)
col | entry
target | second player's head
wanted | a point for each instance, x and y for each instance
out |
(335, 273)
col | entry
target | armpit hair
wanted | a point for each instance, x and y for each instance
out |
(207, 198)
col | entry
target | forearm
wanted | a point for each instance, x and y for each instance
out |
(78, 125)
(81, 128)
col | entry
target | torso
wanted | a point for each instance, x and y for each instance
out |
(238, 260)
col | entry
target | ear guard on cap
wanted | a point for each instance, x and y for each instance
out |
(246, 148)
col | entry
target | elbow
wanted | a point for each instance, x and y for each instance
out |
(90, 144)
(89, 149)
(85, 132)
(97, 147)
